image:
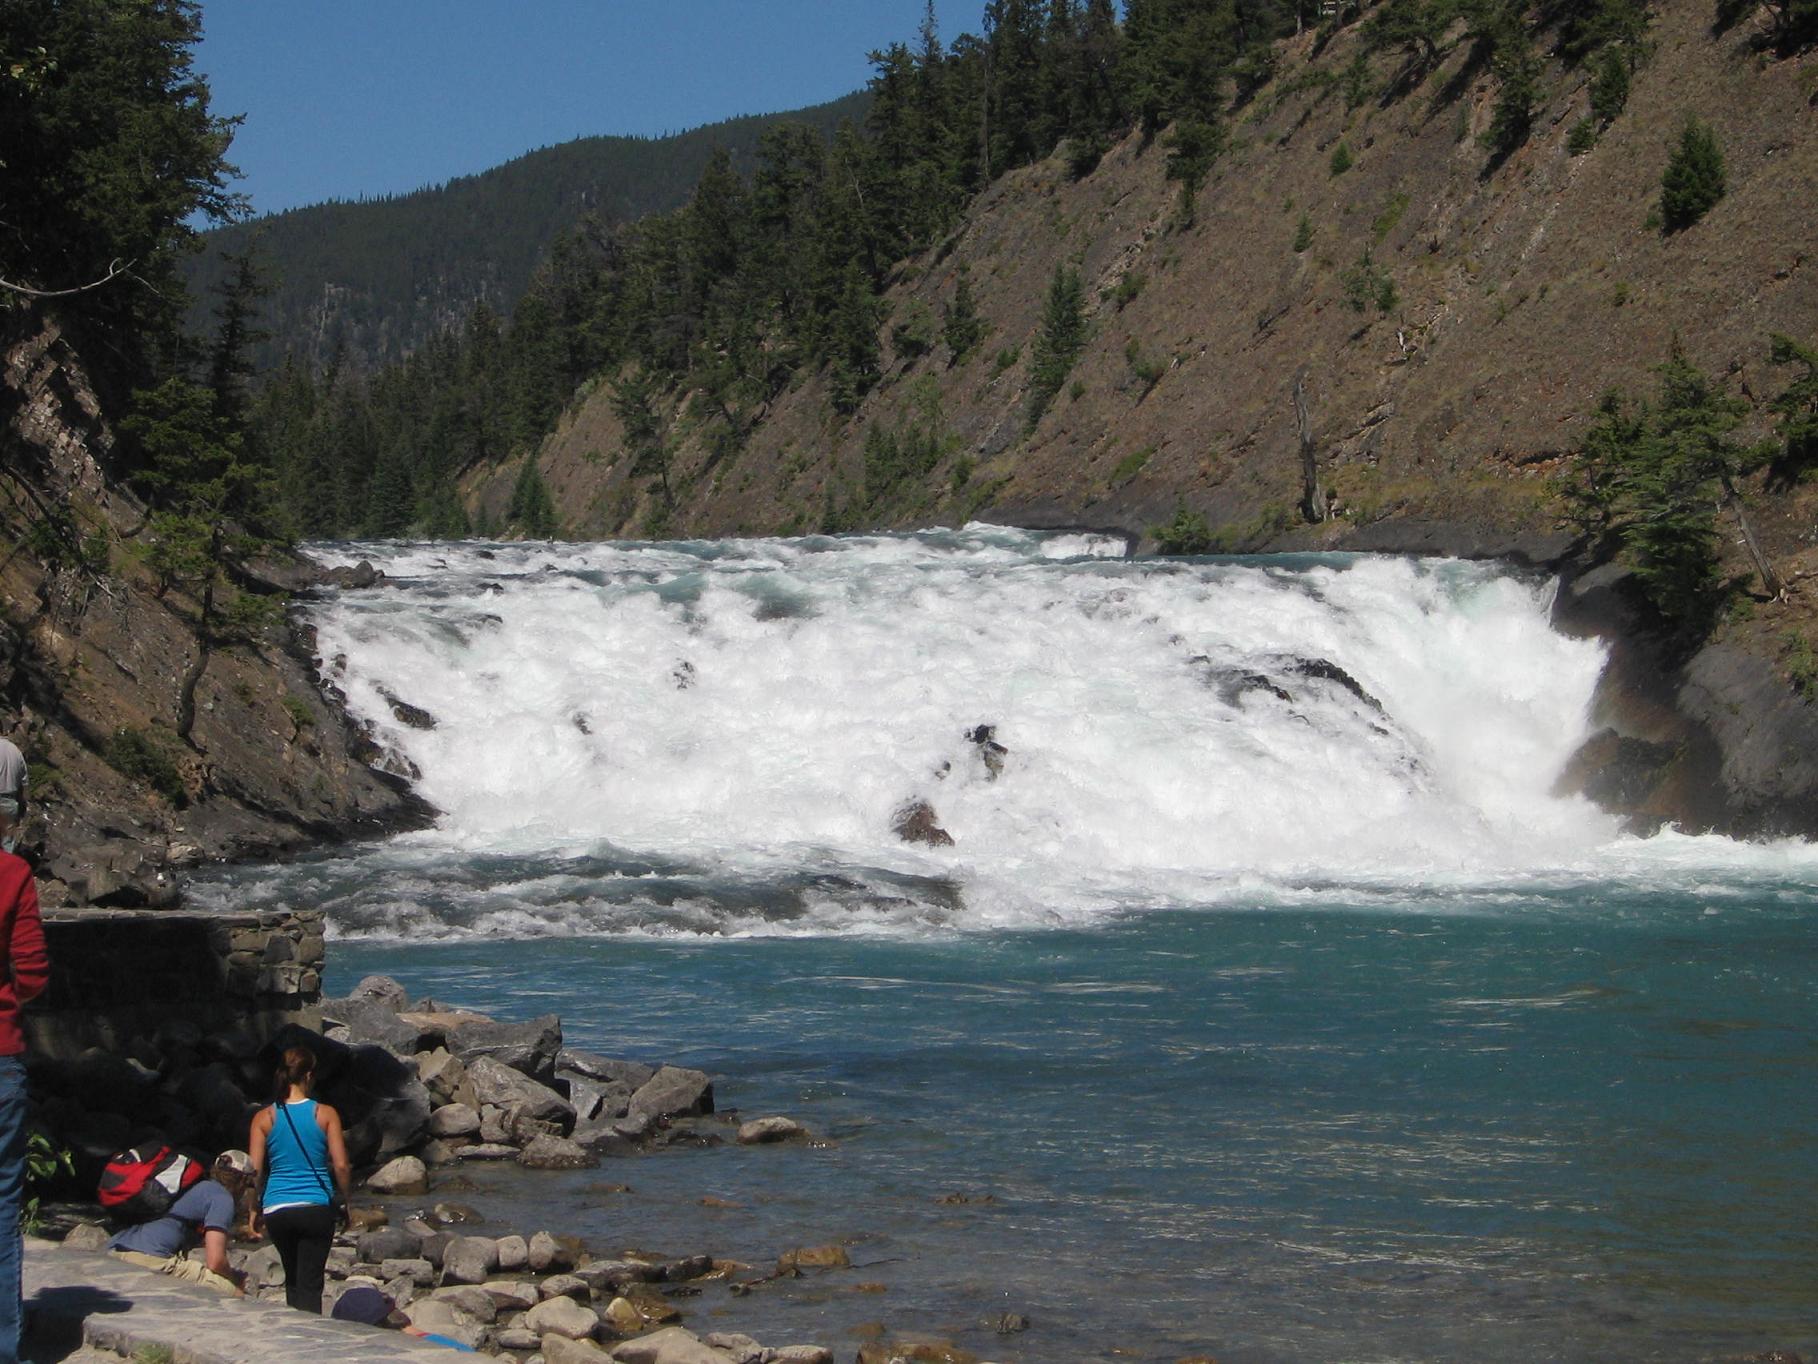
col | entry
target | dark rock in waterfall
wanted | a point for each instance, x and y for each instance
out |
(361, 575)
(1625, 776)
(990, 751)
(414, 716)
(682, 675)
(1232, 683)
(581, 723)
(916, 822)
(1325, 670)
(530, 1048)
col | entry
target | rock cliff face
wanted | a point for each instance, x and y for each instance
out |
(1522, 291)
(91, 663)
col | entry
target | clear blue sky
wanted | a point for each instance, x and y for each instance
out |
(345, 98)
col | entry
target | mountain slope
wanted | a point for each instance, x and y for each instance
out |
(378, 277)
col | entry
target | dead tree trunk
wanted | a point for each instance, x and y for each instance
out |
(1312, 497)
(1770, 580)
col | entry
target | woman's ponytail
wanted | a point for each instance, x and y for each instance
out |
(294, 1068)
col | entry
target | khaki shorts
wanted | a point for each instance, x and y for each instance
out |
(179, 1267)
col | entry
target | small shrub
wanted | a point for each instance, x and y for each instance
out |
(1342, 160)
(1367, 283)
(1130, 466)
(1303, 234)
(1582, 137)
(300, 714)
(1357, 82)
(1801, 665)
(1007, 358)
(1187, 533)
(1609, 87)
(1128, 289)
(146, 757)
(914, 335)
(1389, 217)
(1148, 370)
(1076, 390)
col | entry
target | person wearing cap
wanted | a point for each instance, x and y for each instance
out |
(24, 972)
(208, 1208)
(370, 1307)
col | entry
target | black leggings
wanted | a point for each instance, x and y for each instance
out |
(302, 1236)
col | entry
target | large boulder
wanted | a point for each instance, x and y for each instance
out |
(673, 1093)
(562, 1317)
(369, 1021)
(454, 1120)
(381, 990)
(603, 1069)
(388, 1243)
(401, 1175)
(671, 1345)
(384, 1107)
(556, 1153)
(529, 1048)
(469, 1259)
(595, 1100)
(445, 1076)
(516, 1095)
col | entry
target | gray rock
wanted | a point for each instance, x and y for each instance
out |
(517, 1339)
(529, 1048)
(671, 1345)
(562, 1317)
(369, 1021)
(561, 1350)
(401, 1175)
(634, 1126)
(548, 1254)
(454, 1120)
(516, 1094)
(605, 1274)
(556, 1153)
(445, 1077)
(493, 1124)
(673, 1092)
(469, 1259)
(381, 990)
(595, 1101)
(489, 1150)
(565, 1286)
(604, 1069)
(86, 1236)
(801, 1354)
(472, 1301)
(760, 1131)
(686, 1268)
(514, 1254)
(740, 1349)
(418, 1271)
(510, 1296)
(435, 1151)
(388, 1243)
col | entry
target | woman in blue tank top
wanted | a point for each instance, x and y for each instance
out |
(297, 1148)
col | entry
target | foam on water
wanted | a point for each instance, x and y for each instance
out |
(718, 737)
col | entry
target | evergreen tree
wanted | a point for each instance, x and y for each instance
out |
(1694, 177)
(962, 328)
(1062, 338)
(532, 510)
(1797, 409)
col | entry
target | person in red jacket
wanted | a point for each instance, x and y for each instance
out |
(24, 972)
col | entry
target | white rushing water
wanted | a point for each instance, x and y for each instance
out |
(1171, 732)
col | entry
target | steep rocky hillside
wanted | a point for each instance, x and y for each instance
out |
(1522, 291)
(91, 668)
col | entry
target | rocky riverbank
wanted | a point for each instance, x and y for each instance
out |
(425, 1089)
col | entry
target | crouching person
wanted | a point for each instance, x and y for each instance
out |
(205, 1211)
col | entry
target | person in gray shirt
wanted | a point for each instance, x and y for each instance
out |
(13, 780)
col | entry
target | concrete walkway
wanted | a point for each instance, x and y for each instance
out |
(84, 1299)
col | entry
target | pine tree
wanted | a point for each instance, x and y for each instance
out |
(962, 327)
(1063, 337)
(1694, 177)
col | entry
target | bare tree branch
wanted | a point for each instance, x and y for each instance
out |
(114, 270)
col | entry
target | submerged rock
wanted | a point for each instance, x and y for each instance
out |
(917, 822)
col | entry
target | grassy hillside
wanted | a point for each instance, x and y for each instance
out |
(376, 278)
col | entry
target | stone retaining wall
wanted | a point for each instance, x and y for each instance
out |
(119, 974)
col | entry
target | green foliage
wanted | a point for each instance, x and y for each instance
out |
(154, 1354)
(1652, 477)
(1582, 137)
(898, 460)
(1609, 86)
(110, 156)
(1368, 284)
(1062, 338)
(1694, 178)
(1358, 81)
(913, 334)
(532, 510)
(1414, 27)
(1130, 466)
(1391, 214)
(44, 1161)
(1006, 359)
(147, 756)
(1147, 370)
(1303, 234)
(1797, 410)
(1129, 289)
(1801, 665)
(1193, 146)
(1342, 160)
(1187, 533)
(961, 326)
(301, 716)
(1518, 69)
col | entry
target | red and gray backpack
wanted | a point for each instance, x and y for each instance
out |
(141, 1184)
